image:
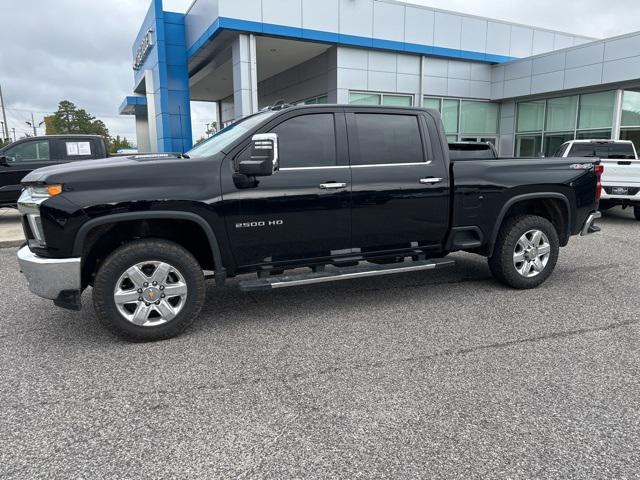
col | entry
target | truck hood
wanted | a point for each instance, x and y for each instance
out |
(121, 179)
(46, 174)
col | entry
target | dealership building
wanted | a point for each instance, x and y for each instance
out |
(524, 88)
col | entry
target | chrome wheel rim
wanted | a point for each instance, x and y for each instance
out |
(531, 253)
(150, 293)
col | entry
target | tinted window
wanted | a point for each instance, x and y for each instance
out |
(467, 151)
(387, 138)
(307, 141)
(611, 150)
(37, 150)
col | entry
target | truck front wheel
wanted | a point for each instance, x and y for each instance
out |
(526, 251)
(149, 290)
(636, 212)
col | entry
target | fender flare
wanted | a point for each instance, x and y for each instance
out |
(81, 236)
(521, 198)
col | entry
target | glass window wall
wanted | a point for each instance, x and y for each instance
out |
(466, 118)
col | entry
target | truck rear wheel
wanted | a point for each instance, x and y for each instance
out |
(526, 251)
(636, 212)
(149, 290)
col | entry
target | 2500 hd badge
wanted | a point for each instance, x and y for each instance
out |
(268, 223)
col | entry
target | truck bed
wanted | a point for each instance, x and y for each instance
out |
(484, 188)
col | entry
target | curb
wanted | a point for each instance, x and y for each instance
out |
(11, 243)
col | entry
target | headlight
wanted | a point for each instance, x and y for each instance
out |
(37, 192)
(29, 206)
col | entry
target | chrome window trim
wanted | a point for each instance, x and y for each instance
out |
(369, 165)
(314, 168)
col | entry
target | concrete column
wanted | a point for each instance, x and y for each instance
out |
(245, 77)
(142, 133)
(617, 115)
(151, 111)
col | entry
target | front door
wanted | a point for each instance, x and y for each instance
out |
(303, 210)
(400, 189)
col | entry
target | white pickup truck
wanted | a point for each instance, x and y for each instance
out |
(621, 178)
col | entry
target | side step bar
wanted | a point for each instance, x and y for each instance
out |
(332, 274)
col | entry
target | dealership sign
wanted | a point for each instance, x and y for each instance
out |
(143, 50)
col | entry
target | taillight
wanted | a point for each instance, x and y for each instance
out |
(599, 169)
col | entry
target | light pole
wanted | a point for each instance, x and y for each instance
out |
(5, 132)
(32, 124)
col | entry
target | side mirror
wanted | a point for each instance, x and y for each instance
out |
(5, 161)
(264, 156)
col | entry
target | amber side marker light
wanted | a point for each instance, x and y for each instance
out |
(54, 190)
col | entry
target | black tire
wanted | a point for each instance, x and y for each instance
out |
(140, 251)
(636, 212)
(501, 263)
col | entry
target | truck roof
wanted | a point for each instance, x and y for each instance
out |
(601, 141)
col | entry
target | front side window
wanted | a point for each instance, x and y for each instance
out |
(30, 151)
(387, 138)
(307, 141)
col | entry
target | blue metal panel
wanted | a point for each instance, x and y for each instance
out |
(168, 62)
(132, 104)
(224, 23)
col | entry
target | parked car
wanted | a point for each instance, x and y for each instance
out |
(621, 177)
(344, 191)
(23, 156)
(471, 150)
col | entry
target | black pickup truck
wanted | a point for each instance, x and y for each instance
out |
(27, 154)
(343, 191)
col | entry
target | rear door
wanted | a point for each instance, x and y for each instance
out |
(400, 190)
(23, 157)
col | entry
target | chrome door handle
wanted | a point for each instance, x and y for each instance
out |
(430, 180)
(332, 185)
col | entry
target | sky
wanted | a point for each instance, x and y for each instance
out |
(80, 50)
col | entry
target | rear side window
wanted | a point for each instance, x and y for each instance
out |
(307, 141)
(387, 138)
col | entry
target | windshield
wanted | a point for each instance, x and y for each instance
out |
(228, 135)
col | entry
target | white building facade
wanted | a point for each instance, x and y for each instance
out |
(524, 88)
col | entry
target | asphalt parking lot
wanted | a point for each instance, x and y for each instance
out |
(432, 375)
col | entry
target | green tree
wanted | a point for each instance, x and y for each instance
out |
(71, 119)
(118, 143)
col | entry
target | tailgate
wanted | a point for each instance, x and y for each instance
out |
(621, 172)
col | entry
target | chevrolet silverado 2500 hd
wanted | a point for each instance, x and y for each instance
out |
(343, 191)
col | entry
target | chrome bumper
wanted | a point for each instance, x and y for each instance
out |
(588, 226)
(50, 277)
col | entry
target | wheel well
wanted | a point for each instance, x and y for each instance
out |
(553, 209)
(104, 239)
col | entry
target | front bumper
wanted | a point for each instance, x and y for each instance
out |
(589, 226)
(57, 279)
